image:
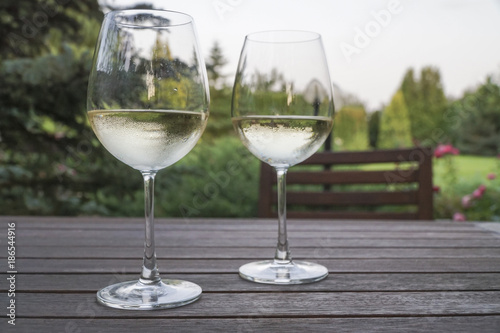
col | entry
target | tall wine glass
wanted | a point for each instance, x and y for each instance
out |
(148, 105)
(282, 110)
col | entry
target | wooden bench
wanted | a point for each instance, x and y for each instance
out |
(406, 186)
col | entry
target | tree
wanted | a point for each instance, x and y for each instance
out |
(216, 61)
(220, 96)
(50, 160)
(474, 120)
(425, 101)
(350, 128)
(395, 124)
(27, 27)
(374, 129)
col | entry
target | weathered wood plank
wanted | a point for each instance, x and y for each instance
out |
(270, 225)
(345, 214)
(231, 224)
(374, 198)
(346, 177)
(281, 304)
(412, 155)
(336, 282)
(326, 240)
(406, 265)
(216, 234)
(454, 324)
(33, 252)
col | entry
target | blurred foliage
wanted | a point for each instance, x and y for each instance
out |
(219, 123)
(426, 103)
(462, 194)
(374, 129)
(351, 129)
(50, 161)
(30, 28)
(474, 120)
(218, 178)
(216, 61)
(48, 155)
(395, 124)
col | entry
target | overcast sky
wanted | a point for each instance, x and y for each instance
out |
(369, 43)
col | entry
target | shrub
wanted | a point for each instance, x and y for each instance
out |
(218, 179)
(461, 198)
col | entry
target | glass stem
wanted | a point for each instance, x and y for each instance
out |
(282, 255)
(149, 274)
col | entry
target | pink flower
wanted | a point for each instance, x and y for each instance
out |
(442, 150)
(491, 176)
(467, 200)
(459, 217)
(481, 188)
(477, 194)
(436, 189)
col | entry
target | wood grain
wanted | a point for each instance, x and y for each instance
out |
(321, 251)
(433, 324)
(231, 282)
(284, 305)
(385, 276)
(409, 265)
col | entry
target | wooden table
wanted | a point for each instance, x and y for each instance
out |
(384, 276)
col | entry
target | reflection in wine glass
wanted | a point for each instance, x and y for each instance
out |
(148, 105)
(282, 110)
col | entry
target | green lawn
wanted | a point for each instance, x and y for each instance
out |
(469, 167)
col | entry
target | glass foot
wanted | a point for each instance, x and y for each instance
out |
(294, 272)
(135, 295)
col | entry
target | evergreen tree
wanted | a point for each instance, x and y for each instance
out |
(220, 96)
(50, 160)
(425, 101)
(374, 129)
(27, 27)
(474, 120)
(216, 61)
(395, 124)
(410, 90)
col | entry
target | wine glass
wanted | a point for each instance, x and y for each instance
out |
(282, 109)
(148, 105)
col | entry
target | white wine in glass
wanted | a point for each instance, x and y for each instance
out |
(282, 109)
(148, 105)
(148, 139)
(282, 141)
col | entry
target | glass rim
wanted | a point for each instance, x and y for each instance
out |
(283, 36)
(161, 13)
